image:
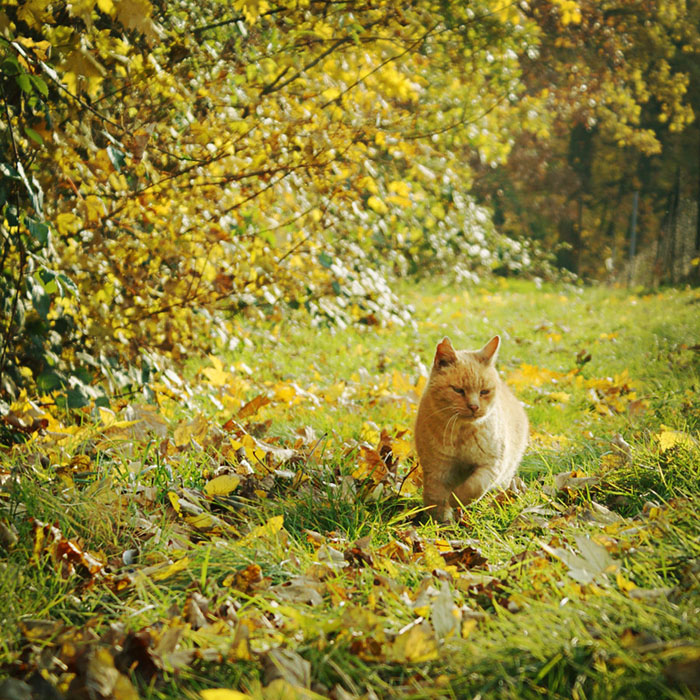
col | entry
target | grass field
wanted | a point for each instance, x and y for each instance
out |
(253, 528)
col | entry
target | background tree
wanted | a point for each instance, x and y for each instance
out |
(164, 164)
(194, 157)
(617, 80)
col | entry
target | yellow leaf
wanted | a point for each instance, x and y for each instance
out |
(671, 438)
(330, 94)
(282, 689)
(172, 569)
(468, 626)
(68, 223)
(222, 694)
(402, 448)
(175, 501)
(271, 528)
(377, 205)
(400, 188)
(251, 9)
(205, 521)
(432, 558)
(285, 392)
(195, 429)
(222, 485)
(417, 645)
(369, 184)
(136, 14)
(624, 584)
(216, 374)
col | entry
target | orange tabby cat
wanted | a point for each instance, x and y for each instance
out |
(471, 431)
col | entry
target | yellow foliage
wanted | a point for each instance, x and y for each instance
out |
(251, 9)
(668, 439)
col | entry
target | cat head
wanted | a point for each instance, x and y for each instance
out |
(465, 380)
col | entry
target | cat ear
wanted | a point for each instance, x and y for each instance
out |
(488, 353)
(444, 354)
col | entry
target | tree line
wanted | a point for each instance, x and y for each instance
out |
(168, 165)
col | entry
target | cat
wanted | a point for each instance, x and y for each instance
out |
(470, 432)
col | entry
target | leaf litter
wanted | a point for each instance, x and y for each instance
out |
(210, 573)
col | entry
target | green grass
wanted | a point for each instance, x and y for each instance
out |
(327, 561)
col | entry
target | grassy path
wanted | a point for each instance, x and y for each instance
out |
(254, 530)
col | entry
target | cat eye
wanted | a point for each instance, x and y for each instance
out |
(458, 390)
(485, 392)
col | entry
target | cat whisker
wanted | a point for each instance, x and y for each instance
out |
(451, 419)
(450, 425)
(442, 410)
(452, 434)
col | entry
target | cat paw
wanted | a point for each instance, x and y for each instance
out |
(517, 486)
(440, 514)
(448, 515)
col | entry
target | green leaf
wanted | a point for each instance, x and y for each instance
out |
(57, 282)
(38, 229)
(77, 396)
(11, 215)
(117, 157)
(325, 259)
(48, 279)
(40, 299)
(40, 85)
(67, 285)
(48, 381)
(36, 194)
(25, 83)
(33, 135)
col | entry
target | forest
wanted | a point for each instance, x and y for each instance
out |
(232, 235)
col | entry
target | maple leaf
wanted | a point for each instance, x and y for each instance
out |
(136, 15)
(251, 9)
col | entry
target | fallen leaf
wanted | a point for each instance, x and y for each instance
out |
(288, 665)
(686, 671)
(253, 406)
(222, 485)
(416, 645)
(574, 480)
(223, 694)
(593, 561)
(300, 589)
(445, 615)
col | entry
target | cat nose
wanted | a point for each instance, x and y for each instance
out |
(473, 407)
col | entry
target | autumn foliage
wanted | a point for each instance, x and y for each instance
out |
(165, 165)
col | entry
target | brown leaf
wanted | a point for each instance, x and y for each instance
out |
(196, 609)
(65, 554)
(367, 648)
(247, 580)
(137, 655)
(288, 665)
(253, 406)
(574, 480)
(464, 559)
(300, 589)
(34, 630)
(25, 423)
(686, 671)
(103, 679)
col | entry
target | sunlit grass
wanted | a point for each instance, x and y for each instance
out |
(606, 369)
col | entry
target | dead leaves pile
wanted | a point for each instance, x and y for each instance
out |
(192, 485)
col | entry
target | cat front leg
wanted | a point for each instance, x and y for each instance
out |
(436, 495)
(473, 488)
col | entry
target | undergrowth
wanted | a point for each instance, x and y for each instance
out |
(259, 530)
